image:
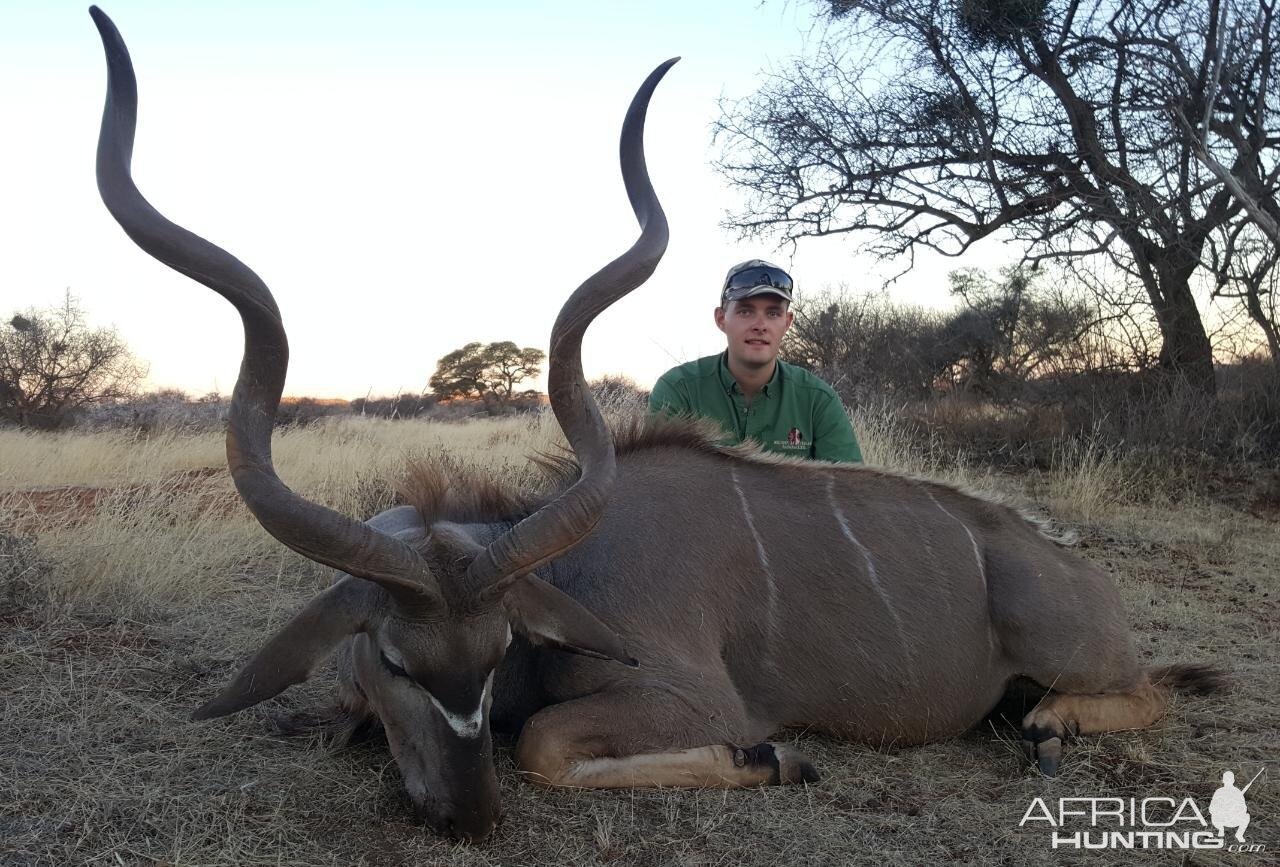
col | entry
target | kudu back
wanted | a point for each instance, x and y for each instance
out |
(666, 605)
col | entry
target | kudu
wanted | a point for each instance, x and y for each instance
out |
(742, 593)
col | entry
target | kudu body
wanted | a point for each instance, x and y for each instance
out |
(711, 596)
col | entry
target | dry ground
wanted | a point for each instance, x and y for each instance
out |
(136, 602)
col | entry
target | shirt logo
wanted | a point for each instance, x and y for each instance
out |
(794, 440)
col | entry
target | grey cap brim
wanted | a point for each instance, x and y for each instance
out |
(752, 291)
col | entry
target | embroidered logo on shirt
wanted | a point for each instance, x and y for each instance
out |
(794, 440)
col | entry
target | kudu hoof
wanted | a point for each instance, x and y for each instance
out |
(1044, 748)
(786, 765)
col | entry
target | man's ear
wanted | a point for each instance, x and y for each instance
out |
(296, 651)
(720, 314)
(548, 617)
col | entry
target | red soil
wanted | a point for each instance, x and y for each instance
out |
(40, 509)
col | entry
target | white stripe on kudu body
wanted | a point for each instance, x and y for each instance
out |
(862, 549)
(751, 525)
(771, 586)
(977, 553)
(871, 566)
(866, 555)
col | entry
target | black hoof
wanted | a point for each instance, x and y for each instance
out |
(1043, 747)
(786, 766)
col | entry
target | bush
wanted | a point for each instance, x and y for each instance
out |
(399, 406)
(1007, 334)
(302, 411)
(867, 347)
(1168, 438)
(164, 410)
(619, 394)
(22, 573)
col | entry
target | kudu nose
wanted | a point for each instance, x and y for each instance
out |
(468, 825)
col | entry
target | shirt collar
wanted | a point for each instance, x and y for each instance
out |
(731, 386)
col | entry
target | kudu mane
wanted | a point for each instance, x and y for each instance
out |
(442, 489)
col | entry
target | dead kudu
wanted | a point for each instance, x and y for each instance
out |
(710, 596)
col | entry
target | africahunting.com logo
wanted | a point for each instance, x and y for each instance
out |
(1148, 823)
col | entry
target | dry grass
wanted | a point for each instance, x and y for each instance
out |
(161, 532)
(119, 621)
(335, 455)
(1085, 482)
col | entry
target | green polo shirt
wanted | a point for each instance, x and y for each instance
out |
(794, 414)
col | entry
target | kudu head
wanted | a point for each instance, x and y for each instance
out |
(430, 615)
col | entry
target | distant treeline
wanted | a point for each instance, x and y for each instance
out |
(170, 409)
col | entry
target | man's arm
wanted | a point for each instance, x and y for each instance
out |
(833, 436)
(665, 397)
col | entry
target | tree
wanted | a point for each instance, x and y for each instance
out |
(508, 365)
(1011, 330)
(1234, 137)
(479, 369)
(460, 373)
(52, 363)
(1049, 122)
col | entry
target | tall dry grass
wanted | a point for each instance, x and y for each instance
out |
(888, 441)
(160, 532)
(1085, 482)
(326, 456)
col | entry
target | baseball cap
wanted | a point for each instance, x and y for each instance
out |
(755, 277)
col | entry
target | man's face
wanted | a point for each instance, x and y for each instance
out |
(754, 328)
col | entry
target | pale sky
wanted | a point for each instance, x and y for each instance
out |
(407, 177)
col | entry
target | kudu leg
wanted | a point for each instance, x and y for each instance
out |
(1060, 715)
(628, 740)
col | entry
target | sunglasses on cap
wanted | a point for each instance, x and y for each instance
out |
(756, 280)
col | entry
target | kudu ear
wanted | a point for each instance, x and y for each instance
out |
(296, 651)
(548, 617)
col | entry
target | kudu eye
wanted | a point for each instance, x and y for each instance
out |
(391, 666)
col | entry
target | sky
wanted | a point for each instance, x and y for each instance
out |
(407, 177)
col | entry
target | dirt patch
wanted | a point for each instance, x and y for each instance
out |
(37, 510)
